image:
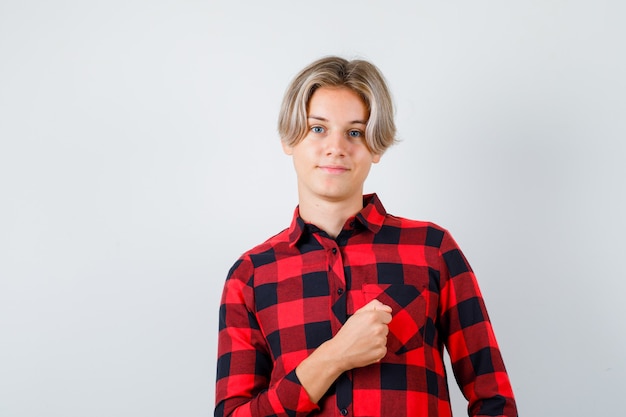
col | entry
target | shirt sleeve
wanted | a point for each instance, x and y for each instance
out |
(244, 367)
(467, 332)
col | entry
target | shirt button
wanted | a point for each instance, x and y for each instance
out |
(334, 251)
(340, 291)
(343, 412)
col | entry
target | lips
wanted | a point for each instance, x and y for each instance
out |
(333, 169)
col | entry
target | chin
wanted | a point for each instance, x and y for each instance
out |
(336, 196)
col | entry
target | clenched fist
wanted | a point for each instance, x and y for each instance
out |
(360, 342)
(363, 338)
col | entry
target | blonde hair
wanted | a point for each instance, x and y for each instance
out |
(360, 76)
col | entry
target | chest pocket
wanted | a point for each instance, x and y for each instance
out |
(409, 314)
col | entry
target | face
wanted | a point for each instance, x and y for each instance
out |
(332, 161)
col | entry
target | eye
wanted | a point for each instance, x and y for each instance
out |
(317, 129)
(355, 133)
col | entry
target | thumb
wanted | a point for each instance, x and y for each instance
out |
(376, 305)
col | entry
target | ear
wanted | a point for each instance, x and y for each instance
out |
(286, 148)
(376, 158)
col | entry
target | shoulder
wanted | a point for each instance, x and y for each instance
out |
(260, 254)
(418, 231)
(439, 245)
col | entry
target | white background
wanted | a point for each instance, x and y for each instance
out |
(139, 158)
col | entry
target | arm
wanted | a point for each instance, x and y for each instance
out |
(245, 364)
(476, 359)
(360, 342)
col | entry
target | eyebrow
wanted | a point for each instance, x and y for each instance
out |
(322, 119)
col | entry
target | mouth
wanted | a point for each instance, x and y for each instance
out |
(333, 169)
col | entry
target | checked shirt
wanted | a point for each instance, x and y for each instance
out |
(287, 296)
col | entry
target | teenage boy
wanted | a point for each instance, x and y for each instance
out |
(347, 312)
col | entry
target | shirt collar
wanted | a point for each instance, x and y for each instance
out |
(372, 217)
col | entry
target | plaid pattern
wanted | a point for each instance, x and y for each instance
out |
(285, 297)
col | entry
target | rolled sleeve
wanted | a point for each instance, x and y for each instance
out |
(244, 365)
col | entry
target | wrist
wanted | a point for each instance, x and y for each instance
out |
(327, 357)
(319, 371)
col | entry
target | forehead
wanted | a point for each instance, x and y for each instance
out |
(337, 102)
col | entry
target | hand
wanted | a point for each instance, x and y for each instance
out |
(363, 338)
(360, 342)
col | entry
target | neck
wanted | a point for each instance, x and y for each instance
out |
(330, 216)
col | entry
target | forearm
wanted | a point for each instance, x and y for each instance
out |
(319, 371)
(360, 342)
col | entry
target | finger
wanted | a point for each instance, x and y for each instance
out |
(386, 318)
(376, 305)
(383, 307)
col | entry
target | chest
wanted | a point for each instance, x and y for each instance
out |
(302, 301)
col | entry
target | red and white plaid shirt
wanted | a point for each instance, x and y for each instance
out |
(287, 296)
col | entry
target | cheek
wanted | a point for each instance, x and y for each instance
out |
(302, 160)
(366, 159)
(305, 153)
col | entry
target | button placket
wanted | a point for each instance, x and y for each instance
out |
(337, 284)
(335, 266)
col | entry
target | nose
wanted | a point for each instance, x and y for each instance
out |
(336, 144)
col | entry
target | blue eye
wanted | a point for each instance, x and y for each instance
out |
(355, 133)
(317, 129)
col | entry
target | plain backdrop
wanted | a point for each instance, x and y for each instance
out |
(139, 158)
